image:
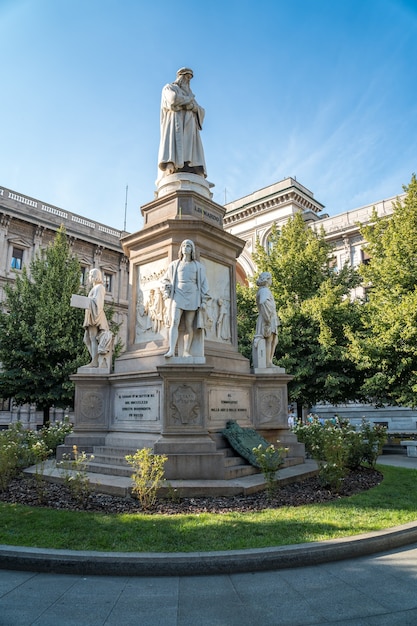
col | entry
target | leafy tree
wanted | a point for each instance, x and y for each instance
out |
(386, 349)
(247, 315)
(315, 313)
(41, 335)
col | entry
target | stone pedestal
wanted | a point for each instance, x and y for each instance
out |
(179, 405)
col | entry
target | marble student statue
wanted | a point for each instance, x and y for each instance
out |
(97, 336)
(180, 148)
(267, 322)
(185, 285)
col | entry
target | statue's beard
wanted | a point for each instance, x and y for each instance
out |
(185, 86)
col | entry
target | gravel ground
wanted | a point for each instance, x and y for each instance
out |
(310, 491)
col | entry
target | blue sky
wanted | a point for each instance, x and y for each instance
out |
(323, 90)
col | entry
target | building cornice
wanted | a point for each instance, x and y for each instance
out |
(19, 206)
(278, 197)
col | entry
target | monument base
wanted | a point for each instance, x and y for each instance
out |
(178, 409)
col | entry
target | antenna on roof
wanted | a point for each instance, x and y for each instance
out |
(124, 227)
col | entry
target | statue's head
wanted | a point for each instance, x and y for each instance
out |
(264, 279)
(181, 252)
(95, 276)
(185, 71)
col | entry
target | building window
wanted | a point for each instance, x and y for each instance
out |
(108, 282)
(333, 265)
(83, 276)
(271, 241)
(4, 404)
(17, 258)
(365, 257)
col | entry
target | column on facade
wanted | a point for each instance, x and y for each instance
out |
(4, 229)
(37, 241)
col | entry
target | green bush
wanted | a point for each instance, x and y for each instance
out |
(75, 471)
(147, 475)
(8, 461)
(269, 459)
(20, 448)
(333, 464)
(338, 447)
(54, 434)
(374, 437)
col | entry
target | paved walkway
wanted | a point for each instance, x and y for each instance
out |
(378, 589)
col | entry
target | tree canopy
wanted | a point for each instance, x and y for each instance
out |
(386, 349)
(315, 311)
(41, 335)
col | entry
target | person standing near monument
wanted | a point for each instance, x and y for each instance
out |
(185, 284)
(180, 148)
(267, 322)
(97, 334)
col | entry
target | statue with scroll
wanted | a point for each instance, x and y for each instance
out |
(97, 336)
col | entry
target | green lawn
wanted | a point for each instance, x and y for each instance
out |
(391, 503)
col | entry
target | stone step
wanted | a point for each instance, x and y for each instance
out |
(110, 459)
(109, 469)
(122, 485)
(111, 450)
(234, 460)
(238, 471)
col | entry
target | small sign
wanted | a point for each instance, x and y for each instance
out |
(80, 302)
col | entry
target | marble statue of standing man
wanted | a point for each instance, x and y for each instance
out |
(181, 149)
(97, 337)
(185, 285)
(268, 322)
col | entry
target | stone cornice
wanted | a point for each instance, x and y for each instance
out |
(20, 206)
(291, 196)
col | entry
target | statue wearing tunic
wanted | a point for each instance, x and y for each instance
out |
(267, 322)
(185, 285)
(97, 336)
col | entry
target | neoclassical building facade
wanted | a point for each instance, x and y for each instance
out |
(28, 224)
(252, 217)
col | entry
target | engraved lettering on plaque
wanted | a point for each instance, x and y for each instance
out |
(137, 404)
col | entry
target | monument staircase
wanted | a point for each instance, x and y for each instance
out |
(111, 460)
(109, 472)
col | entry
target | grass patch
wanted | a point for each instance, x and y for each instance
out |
(391, 503)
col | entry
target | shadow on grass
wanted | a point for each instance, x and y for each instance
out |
(391, 503)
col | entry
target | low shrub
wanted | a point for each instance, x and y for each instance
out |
(338, 447)
(54, 434)
(270, 459)
(75, 468)
(147, 475)
(20, 448)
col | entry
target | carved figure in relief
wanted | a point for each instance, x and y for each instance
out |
(97, 336)
(185, 286)
(155, 308)
(267, 322)
(223, 320)
(143, 320)
(181, 149)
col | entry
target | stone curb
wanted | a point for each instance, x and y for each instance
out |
(199, 563)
